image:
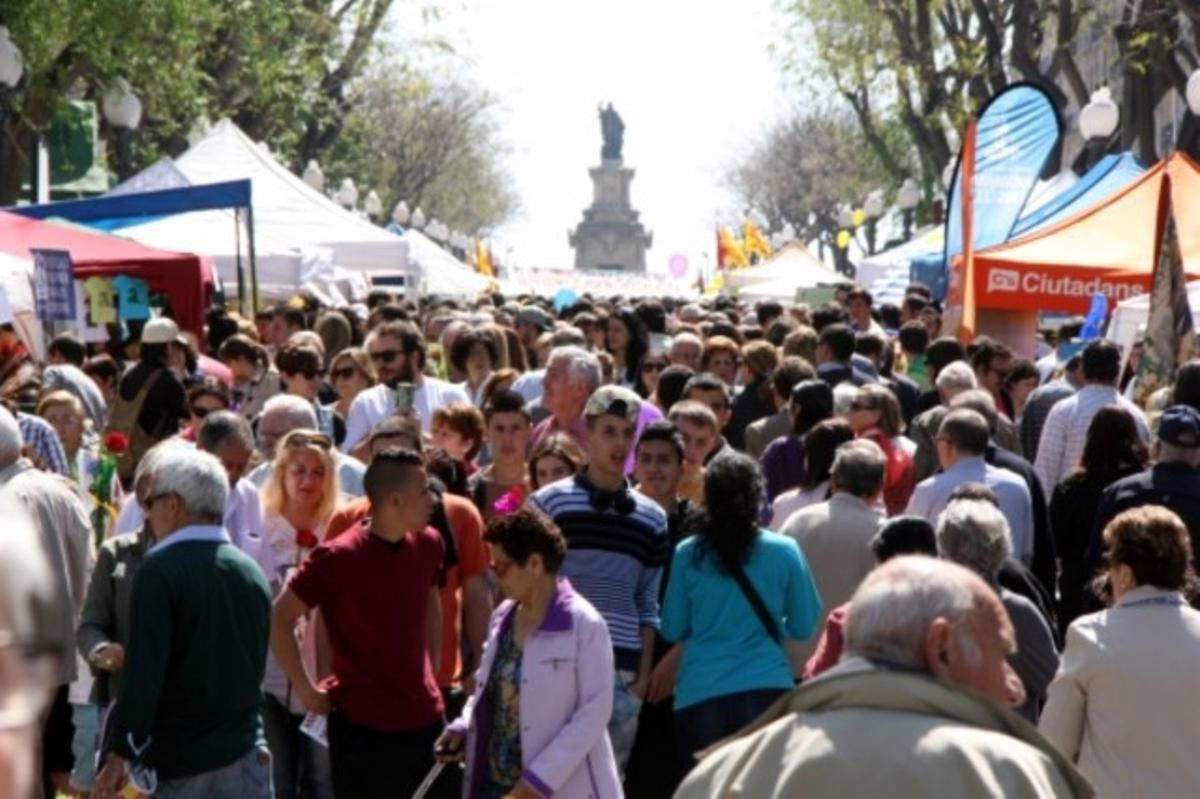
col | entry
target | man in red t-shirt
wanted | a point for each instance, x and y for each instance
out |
(377, 588)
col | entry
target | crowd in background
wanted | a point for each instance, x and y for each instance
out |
(580, 549)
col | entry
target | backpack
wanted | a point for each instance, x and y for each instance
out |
(123, 419)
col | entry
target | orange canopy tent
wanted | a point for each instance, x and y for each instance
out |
(1108, 249)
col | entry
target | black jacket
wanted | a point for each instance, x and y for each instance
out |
(1042, 565)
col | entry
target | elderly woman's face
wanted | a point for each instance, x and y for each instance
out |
(724, 365)
(68, 423)
(304, 477)
(515, 580)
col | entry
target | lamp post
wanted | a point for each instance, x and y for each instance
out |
(123, 111)
(873, 206)
(400, 213)
(12, 66)
(373, 205)
(1188, 133)
(907, 199)
(347, 195)
(418, 218)
(1098, 121)
(314, 176)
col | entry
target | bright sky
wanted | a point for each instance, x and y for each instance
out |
(693, 82)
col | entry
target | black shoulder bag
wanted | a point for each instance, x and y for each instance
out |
(760, 608)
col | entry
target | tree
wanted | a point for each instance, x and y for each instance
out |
(431, 141)
(807, 168)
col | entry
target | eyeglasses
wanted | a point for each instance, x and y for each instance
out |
(27, 670)
(149, 501)
(653, 366)
(501, 567)
(862, 405)
(385, 356)
(304, 438)
(345, 373)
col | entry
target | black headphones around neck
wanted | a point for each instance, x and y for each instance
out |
(620, 500)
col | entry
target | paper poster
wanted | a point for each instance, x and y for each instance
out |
(314, 727)
(102, 303)
(133, 293)
(53, 285)
(6, 311)
(87, 331)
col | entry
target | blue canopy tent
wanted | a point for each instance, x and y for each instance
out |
(1103, 180)
(113, 212)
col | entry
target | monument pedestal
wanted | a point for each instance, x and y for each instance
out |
(610, 237)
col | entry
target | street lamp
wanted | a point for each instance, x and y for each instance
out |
(418, 218)
(873, 206)
(123, 111)
(347, 195)
(907, 199)
(1098, 121)
(436, 231)
(12, 65)
(400, 213)
(314, 176)
(1193, 93)
(373, 205)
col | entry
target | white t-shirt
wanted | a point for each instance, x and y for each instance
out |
(243, 517)
(375, 404)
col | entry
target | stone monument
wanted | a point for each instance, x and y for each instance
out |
(610, 237)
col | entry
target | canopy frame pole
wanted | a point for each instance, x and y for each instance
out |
(237, 248)
(253, 261)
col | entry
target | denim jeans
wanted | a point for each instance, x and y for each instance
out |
(248, 777)
(300, 764)
(86, 719)
(375, 764)
(622, 725)
(701, 725)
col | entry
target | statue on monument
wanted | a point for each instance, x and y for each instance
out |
(613, 130)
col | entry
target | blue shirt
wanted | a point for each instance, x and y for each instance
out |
(726, 648)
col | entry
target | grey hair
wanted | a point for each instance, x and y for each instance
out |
(686, 338)
(296, 411)
(581, 365)
(149, 463)
(197, 478)
(974, 533)
(893, 607)
(955, 378)
(844, 394)
(222, 427)
(980, 401)
(859, 468)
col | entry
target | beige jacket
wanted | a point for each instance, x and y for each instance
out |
(864, 732)
(762, 432)
(835, 537)
(1125, 706)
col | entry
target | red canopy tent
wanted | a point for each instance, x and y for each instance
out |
(186, 279)
(1109, 248)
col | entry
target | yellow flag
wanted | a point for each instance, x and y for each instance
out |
(756, 242)
(483, 259)
(733, 250)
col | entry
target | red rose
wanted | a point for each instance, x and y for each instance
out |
(306, 539)
(116, 442)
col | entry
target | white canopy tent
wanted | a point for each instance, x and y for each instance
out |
(1132, 314)
(16, 301)
(439, 271)
(794, 264)
(288, 215)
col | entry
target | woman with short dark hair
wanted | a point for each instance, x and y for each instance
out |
(537, 722)
(1127, 695)
(736, 593)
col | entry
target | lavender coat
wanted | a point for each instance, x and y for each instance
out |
(566, 702)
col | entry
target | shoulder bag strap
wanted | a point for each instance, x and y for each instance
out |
(760, 608)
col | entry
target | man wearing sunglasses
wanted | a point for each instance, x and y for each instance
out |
(397, 350)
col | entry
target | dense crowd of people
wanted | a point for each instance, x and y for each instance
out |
(624, 547)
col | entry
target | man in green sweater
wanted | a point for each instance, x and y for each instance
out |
(187, 721)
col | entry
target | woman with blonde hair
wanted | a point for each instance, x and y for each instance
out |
(64, 412)
(298, 499)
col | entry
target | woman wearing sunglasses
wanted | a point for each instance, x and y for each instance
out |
(301, 373)
(350, 372)
(298, 500)
(209, 396)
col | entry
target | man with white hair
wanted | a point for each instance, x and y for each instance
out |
(906, 712)
(31, 639)
(952, 380)
(65, 533)
(973, 533)
(187, 720)
(572, 374)
(686, 350)
(287, 412)
(397, 350)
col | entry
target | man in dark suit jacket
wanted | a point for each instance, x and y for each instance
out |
(835, 348)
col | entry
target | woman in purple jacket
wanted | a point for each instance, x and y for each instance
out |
(551, 739)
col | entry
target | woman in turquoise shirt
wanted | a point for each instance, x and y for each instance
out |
(734, 665)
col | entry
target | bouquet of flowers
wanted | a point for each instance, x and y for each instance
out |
(105, 487)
